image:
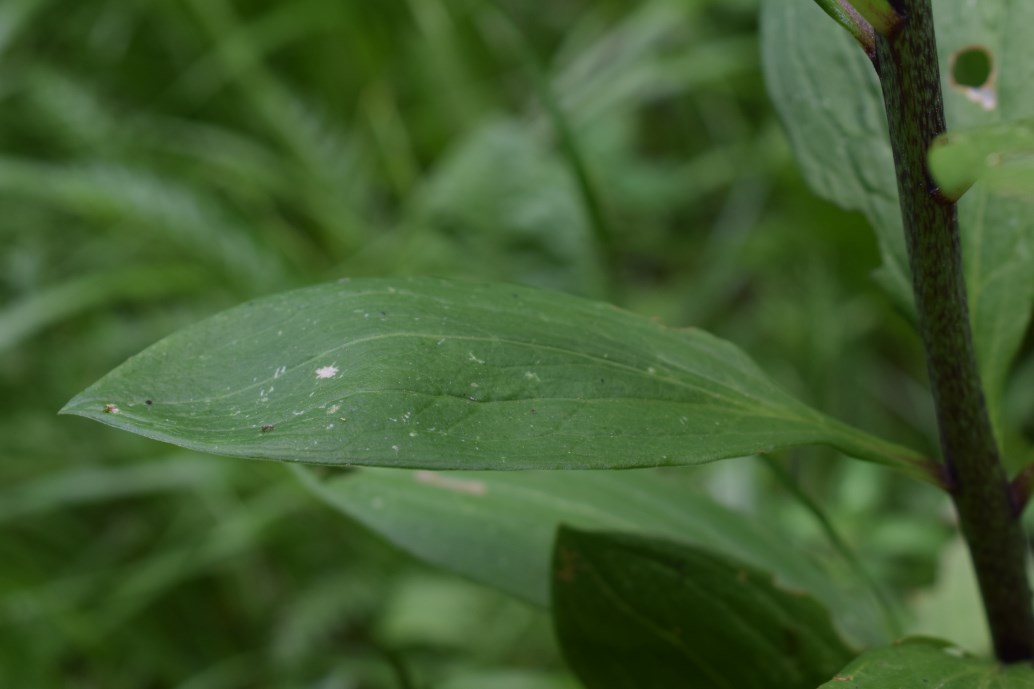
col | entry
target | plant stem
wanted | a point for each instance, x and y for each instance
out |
(907, 64)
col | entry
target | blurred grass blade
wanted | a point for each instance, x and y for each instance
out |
(497, 528)
(892, 613)
(76, 486)
(24, 318)
(632, 63)
(569, 143)
(471, 213)
(636, 613)
(920, 663)
(174, 212)
(1001, 155)
(436, 374)
(15, 15)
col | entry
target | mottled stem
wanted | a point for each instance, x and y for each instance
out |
(907, 65)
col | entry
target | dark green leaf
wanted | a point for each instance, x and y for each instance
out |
(427, 373)
(922, 663)
(829, 97)
(632, 613)
(498, 528)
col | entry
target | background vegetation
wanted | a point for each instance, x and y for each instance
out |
(161, 161)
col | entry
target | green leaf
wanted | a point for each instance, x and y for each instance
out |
(508, 679)
(497, 528)
(24, 318)
(922, 663)
(426, 373)
(830, 101)
(633, 613)
(1001, 155)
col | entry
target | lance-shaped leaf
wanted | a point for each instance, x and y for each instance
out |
(497, 528)
(435, 374)
(634, 613)
(1000, 155)
(922, 663)
(829, 98)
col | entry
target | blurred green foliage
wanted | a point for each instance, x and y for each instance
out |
(161, 161)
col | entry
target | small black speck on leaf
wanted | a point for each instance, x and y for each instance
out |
(148, 402)
(266, 428)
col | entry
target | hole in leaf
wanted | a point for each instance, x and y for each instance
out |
(972, 71)
(971, 67)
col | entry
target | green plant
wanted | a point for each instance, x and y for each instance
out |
(433, 375)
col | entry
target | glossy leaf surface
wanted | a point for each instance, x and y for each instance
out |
(426, 373)
(633, 613)
(922, 663)
(497, 528)
(830, 101)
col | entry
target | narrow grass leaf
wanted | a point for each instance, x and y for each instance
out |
(27, 316)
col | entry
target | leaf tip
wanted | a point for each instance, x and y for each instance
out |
(74, 407)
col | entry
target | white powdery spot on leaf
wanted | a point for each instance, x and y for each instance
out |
(325, 372)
